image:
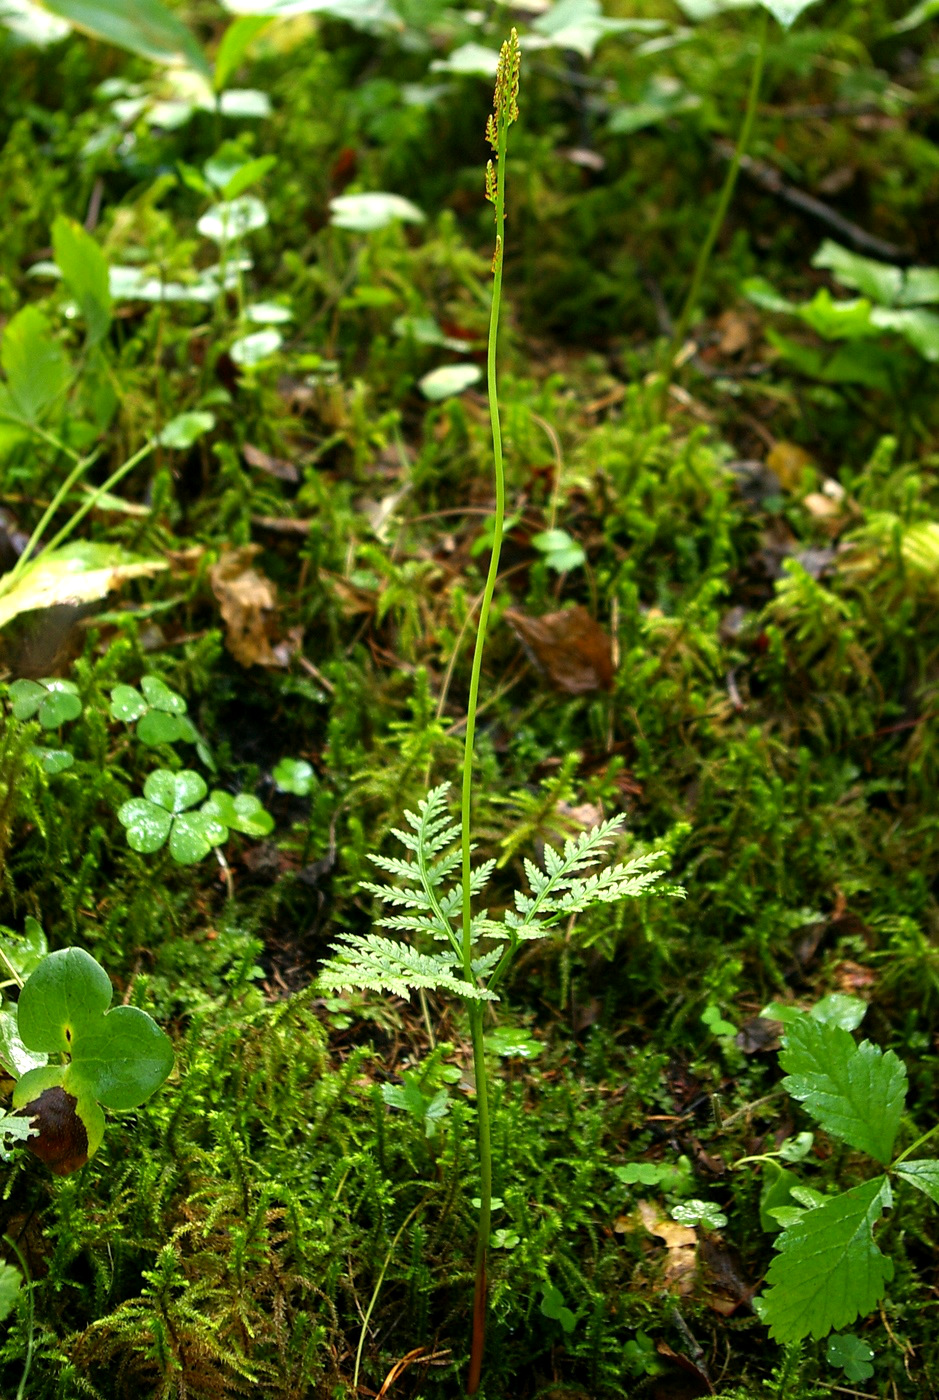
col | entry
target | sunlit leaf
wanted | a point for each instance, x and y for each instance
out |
(448, 380)
(144, 27)
(76, 573)
(366, 213)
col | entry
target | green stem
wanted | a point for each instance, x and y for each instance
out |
(475, 1010)
(723, 203)
(918, 1143)
(21, 1389)
(96, 495)
(375, 1292)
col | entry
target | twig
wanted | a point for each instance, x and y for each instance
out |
(771, 180)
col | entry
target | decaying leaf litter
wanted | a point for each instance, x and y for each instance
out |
(715, 614)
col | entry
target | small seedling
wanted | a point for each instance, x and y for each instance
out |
(72, 1057)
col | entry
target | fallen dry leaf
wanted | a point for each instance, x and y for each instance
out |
(735, 331)
(681, 1244)
(274, 466)
(570, 648)
(247, 601)
(788, 460)
(75, 574)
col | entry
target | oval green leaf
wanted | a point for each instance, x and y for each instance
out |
(67, 992)
(124, 1059)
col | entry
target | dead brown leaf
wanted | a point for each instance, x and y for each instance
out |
(274, 466)
(736, 332)
(788, 460)
(248, 603)
(570, 648)
(680, 1242)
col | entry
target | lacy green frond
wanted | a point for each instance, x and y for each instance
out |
(373, 963)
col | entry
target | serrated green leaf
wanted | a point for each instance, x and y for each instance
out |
(67, 992)
(84, 271)
(379, 964)
(828, 1270)
(856, 1092)
(837, 1009)
(922, 1173)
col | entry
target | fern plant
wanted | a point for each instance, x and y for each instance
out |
(439, 943)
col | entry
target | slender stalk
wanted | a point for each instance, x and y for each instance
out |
(723, 203)
(505, 112)
(96, 495)
(27, 1364)
(74, 475)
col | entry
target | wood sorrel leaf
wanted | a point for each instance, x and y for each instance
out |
(127, 704)
(174, 791)
(147, 825)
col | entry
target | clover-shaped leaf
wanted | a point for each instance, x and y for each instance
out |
(696, 1212)
(160, 713)
(116, 1058)
(243, 813)
(294, 775)
(53, 761)
(161, 815)
(53, 702)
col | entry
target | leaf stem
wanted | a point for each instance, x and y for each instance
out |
(912, 1148)
(723, 203)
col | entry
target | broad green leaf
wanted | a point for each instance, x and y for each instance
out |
(920, 286)
(11, 1280)
(917, 325)
(366, 213)
(185, 429)
(67, 992)
(35, 364)
(828, 1270)
(580, 25)
(470, 60)
(127, 704)
(234, 45)
(29, 22)
(14, 1055)
(69, 1129)
(853, 1356)
(448, 380)
(856, 1092)
(837, 1009)
(76, 573)
(881, 282)
(294, 775)
(786, 12)
(661, 99)
(247, 174)
(147, 825)
(253, 349)
(776, 1194)
(124, 1059)
(917, 16)
(837, 320)
(27, 950)
(923, 1173)
(144, 27)
(232, 219)
(268, 313)
(364, 13)
(174, 791)
(561, 552)
(84, 270)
